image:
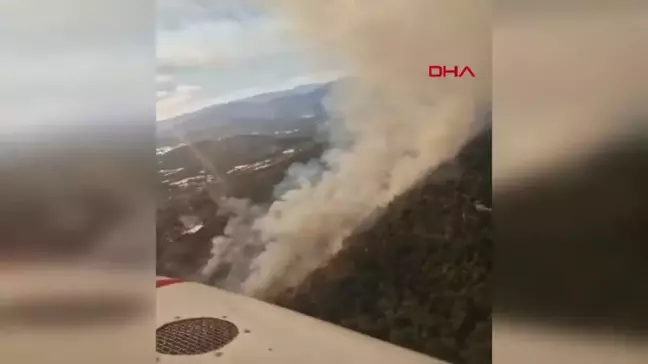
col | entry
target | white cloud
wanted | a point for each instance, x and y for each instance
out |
(187, 88)
(215, 35)
(228, 47)
(171, 103)
(163, 79)
(174, 14)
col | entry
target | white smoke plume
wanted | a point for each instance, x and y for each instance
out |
(232, 254)
(402, 124)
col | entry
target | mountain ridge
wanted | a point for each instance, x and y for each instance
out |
(300, 107)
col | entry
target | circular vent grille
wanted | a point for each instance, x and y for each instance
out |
(194, 336)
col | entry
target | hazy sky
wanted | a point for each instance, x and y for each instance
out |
(211, 51)
(69, 63)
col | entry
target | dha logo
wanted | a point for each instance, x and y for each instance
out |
(438, 71)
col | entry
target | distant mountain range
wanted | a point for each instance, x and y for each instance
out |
(297, 110)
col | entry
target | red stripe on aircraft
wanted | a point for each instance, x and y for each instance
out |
(165, 282)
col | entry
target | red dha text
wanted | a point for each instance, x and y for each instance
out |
(437, 71)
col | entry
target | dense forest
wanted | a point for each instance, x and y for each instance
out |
(421, 276)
